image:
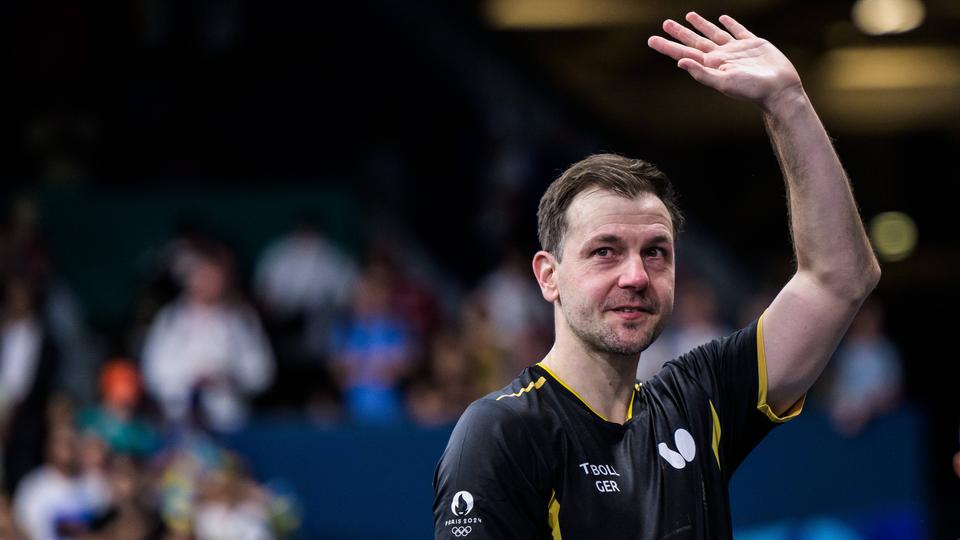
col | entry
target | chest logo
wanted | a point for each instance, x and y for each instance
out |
(462, 503)
(685, 452)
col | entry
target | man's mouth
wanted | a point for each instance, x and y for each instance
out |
(632, 309)
(631, 312)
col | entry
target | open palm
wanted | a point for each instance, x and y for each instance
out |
(732, 61)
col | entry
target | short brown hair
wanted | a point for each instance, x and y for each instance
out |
(621, 175)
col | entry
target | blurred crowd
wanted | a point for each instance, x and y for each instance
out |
(118, 438)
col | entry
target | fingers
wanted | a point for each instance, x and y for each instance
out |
(708, 29)
(735, 28)
(692, 46)
(688, 37)
(702, 74)
(674, 50)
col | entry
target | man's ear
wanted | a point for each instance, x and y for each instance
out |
(545, 267)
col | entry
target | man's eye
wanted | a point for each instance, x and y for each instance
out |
(602, 252)
(657, 252)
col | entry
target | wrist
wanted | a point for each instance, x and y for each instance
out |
(785, 101)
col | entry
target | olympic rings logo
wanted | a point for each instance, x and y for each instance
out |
(461, 531)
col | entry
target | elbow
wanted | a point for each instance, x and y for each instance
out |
(869, 278)
(873, 275)
(866, 280)
(854, 284)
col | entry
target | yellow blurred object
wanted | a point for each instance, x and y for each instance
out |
(889, 89)
(558, 14)
(878, 17)
(893, 68)
(894, 235)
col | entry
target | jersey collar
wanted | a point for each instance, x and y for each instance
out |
(553, 376)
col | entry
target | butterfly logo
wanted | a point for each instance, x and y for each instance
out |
(685, 452)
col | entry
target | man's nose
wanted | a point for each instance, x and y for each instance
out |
(634, 274)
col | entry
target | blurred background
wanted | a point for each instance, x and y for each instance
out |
(257, 257)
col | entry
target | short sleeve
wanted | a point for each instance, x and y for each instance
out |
(488, 481)
(733, 372)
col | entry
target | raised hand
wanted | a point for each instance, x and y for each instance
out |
(732, 61)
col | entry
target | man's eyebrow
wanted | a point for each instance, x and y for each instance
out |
(614, 239)
(605, 239)
(660, 239)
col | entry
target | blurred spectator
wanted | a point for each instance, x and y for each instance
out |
(866, 373)
(232, 506)
(28, 364)
(51, 502)
(696, 321)
(413, 285)
(114, 420)
(209, 346)
(489, 359)
(166, 272)
(92, 455)
(303, 275)
(303, 281)
(130, 514)
(29, 255)
(440, 398)
(204, 493)
(372, 351)
(697, 316)
(179, 472)
(415, 302)
(521, 319)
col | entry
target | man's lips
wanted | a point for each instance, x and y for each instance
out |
(632, 307)
(631, 311)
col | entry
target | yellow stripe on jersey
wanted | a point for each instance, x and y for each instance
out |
(553, 516)
(762, 404)
(572, 391)
(716, 432)
(533, 385)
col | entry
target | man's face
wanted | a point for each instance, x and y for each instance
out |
(615, 283)
(207, 282)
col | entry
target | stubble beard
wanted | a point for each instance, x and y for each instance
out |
(600, 337)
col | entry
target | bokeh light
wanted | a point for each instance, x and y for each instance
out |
(894, 235)
(878, 17)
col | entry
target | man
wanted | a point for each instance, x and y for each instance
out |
(575, 448)
(207, 346)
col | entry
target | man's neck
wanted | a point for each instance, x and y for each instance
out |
(604, 381)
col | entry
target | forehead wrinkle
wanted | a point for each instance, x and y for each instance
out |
(646, 211)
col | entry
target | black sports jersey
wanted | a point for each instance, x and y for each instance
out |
(534, 461)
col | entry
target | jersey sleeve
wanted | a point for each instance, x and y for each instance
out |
(489, 481)
(733, 372)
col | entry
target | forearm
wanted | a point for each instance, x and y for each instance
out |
(836, 268)
(828, 236)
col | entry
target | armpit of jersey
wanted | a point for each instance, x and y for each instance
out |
(762, 404)
(489, 477)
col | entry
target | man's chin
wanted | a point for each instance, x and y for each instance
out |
(636, 341)
(628, 347)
